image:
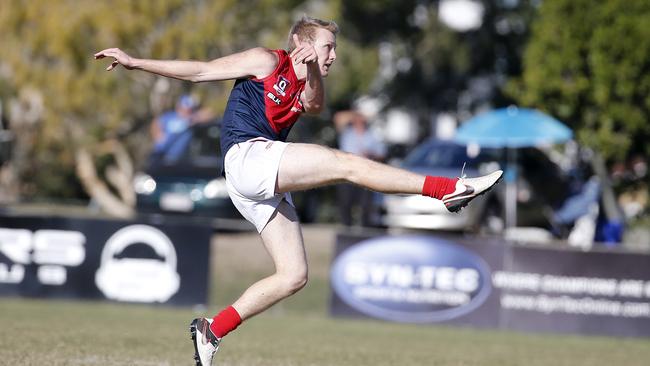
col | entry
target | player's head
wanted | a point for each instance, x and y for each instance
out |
(321, 34)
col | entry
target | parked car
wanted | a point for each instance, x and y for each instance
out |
(541, 188)
(186, 178)
(6, 144)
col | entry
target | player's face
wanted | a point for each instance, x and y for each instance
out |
(325, 46)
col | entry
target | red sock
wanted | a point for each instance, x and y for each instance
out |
(437, 187)
(225, 322)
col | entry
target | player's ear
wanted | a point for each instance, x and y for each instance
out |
(296, 40)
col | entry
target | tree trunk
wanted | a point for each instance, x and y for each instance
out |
(119, 175)
(98, 190)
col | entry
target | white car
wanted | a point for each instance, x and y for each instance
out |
(541, 187)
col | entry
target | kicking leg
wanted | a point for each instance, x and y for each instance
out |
(305, 166)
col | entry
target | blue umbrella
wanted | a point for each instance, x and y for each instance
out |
(512, 128)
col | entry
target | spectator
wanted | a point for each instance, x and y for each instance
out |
(171, 123)
(356, 138)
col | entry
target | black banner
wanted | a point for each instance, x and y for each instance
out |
(490, 283)
(104, 259)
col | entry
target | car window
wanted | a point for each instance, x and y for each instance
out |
(447, 155)
(205, 143)
(198, 145)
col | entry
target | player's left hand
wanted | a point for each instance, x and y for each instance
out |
(119, 58)
(304, 52)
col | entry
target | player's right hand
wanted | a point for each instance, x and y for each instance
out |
(119, 58)
(304, 52)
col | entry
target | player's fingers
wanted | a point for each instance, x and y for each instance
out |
(308, 52)
(112, 65)
(113, 52)
(310, 58)
(109, 53)
(298, 56)
(296, 51)
(302, 53)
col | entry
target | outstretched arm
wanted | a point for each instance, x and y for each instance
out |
(256, 62)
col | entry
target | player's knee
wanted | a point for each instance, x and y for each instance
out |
(294, 282)
(346, 164)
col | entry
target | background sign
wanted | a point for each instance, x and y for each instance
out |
(104, 259)
(490, 283)
(426, 280)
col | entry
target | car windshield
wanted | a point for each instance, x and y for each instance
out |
(447, 155)
(199, 144)
(205, 143)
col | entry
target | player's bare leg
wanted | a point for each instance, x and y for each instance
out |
(282, 238)
(305, 166)
(283, 241)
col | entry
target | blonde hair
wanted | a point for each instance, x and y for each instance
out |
(305, 28)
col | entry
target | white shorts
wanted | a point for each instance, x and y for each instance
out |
(251, 174)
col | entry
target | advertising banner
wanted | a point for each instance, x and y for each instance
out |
(104, 259)
(490, 284)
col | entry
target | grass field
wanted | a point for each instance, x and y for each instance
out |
(296, 332)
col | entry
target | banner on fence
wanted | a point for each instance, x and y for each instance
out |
(490, 283)
(104, 259)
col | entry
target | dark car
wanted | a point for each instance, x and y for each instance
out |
(6, 144)
(186, 179)
(541, 188)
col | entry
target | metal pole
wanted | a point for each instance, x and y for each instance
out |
(511, 187)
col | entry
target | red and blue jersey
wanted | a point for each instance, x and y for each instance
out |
(266, 107)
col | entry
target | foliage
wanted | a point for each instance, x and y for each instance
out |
(48, 47)
(587, 64)
(434, 66)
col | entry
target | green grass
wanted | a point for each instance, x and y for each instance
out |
(38, 332)
(296, 332)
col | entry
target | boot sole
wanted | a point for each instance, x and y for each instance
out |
(193, 337)
(456, 206)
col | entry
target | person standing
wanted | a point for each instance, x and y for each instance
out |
(272, 89)
(355, 137)
(165, 128)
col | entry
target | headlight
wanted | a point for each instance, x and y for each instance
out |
(144, 184)
(215, 188)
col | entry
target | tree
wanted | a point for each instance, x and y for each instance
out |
(587, 64)
(79, 129)
(429, 67)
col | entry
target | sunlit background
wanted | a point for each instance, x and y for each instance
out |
(76, 141)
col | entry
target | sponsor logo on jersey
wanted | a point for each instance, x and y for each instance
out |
(274, 98)
(281, 85)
